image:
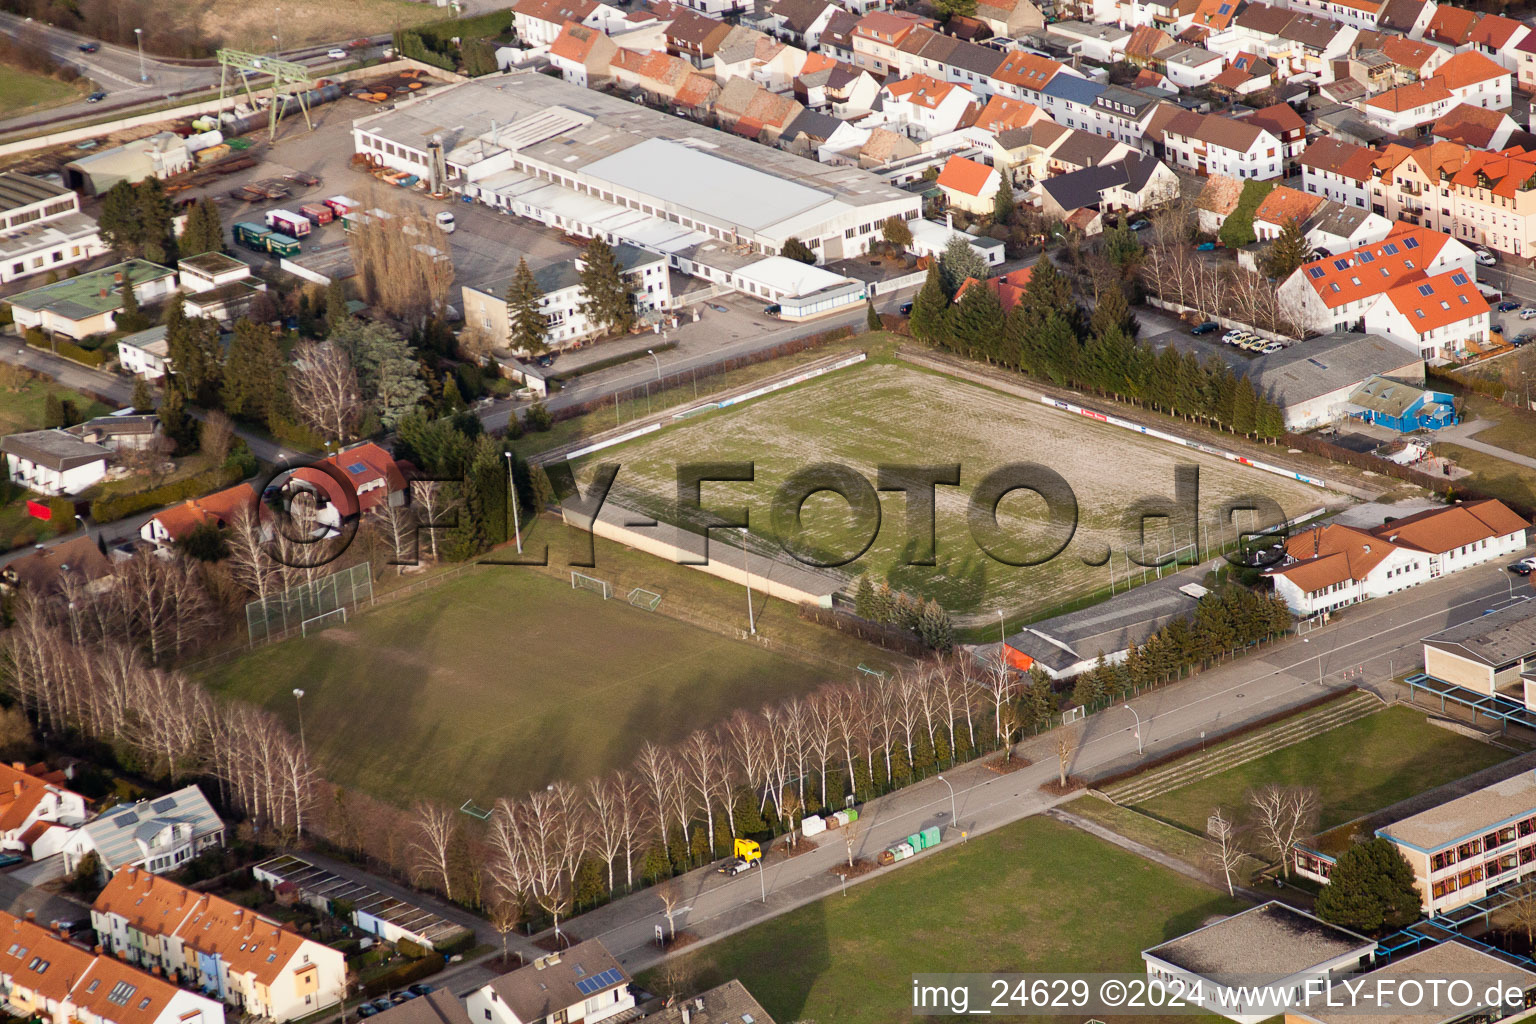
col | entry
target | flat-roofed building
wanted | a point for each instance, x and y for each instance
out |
(1449, 960)
(78, 307)
(1271, 944)
(41, 227)
(1487, 654)
(589, 164)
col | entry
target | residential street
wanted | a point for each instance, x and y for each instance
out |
(1376, 640)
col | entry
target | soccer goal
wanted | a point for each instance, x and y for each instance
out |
(474, 810)
(323, 620)
(647, 599)
(1071, 715)
(581, 581)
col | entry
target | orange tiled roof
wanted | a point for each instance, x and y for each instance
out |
(218, 508)
(1331, 554)
(1373, 269)
(1412, 96)
(1009, 287)
(1339, 157)
(1503, 173)
(1002, 113)
(1407, 53)
(246, 941)
(1026, 70)
(1285, 203)
(1494, 30)
(964, 175)
(574, 41)
(1440, 529)
(1451, 24)
(923, 90)
(1468, 69)
(1438, 301)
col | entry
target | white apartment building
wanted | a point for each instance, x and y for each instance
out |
(42, 228)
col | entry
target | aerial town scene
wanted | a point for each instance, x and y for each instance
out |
(767, 511)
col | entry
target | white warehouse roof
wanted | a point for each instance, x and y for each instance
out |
(782, 275)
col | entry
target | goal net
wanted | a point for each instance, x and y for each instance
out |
(647, 599)
(321, 621)
(581, 581)
(274, 617)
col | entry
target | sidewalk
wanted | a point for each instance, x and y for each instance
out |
(1461, 434)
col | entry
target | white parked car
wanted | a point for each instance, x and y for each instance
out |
(1485, 257)
(445, 221)
(336, 53)
(1232, 336)
(1528, 314)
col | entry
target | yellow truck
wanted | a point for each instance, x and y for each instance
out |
(746, 853)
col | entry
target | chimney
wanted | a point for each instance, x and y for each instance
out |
(155, 970)
(117, 278)
(31, 915)
(103, 293)
(19, 766)
(97, 950)
(949, 220)
(687, 1015)
(16, 788)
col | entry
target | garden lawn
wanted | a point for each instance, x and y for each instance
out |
(1037, 895)
(504, 679)
(1492, 475)
(1357, 768)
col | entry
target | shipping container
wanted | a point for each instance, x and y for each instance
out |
(294, 225)
(812, 825)
(930, 837)
(252, 236)
(282, 245)
(207, 156)
(318, 212)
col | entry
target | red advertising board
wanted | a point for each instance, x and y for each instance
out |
(37, 510)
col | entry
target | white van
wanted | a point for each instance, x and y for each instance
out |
(445, 221)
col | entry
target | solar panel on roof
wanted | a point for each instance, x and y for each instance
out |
(1341, 264)
(1367, 257)
(126, 818)
(586, 986)
(1390, 249)
(1315, 272)
(164, 804)
(1410, 243)
(1458, 278)
(1426, 289)
(357, 469)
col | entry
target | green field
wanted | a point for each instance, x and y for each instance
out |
(24, 90)
(22, 408)
(1358, 768)
(504, 678)
(1037, 895)
(884, 412)
(1492, 475)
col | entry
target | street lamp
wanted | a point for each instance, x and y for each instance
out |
(517, 528)
(954, 818)
(138, 35)
(1002, 629)
(1138, 728)
(762, 880)
(1510, 577)
(1307, 640)
(652, 353)
(747, 568)
(298, 700)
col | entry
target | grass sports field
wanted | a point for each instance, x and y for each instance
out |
(304, 22)
(503, 679)
(1016, 899)
(1358, 768)
(882, 412)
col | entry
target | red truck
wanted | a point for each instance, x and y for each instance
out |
(318, 212)
(341, 205)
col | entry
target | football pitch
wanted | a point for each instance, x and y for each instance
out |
(502, 680)
(887, 413)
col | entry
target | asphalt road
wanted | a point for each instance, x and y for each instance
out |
(1366, 644)
(126, 79)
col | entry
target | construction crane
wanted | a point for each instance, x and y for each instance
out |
(289, 81)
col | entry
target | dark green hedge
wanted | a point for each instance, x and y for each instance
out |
(113, 507)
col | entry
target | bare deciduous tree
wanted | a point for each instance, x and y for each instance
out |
(434, 500)
(670, 893)
(216, 435)
(324, 389)
(1522, 908)
(1228, 851)
(402, 259)
(1066, 747)
(435, 830)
